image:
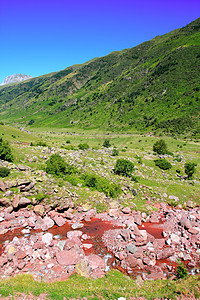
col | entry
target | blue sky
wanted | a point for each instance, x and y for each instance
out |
(40, 36)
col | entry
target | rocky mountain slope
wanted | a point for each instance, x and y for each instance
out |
(15, 79)
(151, 87)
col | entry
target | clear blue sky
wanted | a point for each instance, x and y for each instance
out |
(40, 36)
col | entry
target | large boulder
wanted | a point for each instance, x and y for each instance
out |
(5, 202)
(68, 258)
(95, 261)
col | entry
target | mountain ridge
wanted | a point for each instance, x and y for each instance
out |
(153, 86)
(15, 78)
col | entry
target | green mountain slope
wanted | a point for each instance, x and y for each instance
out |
(154, 86)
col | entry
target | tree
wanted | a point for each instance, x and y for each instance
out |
(163, 164)
(5, 151)
(160, 147)
(124, 167)
(190, 169)
(106, 143)
(56, 165)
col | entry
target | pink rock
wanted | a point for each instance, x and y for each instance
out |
(126, 210)
(15, 202)
(71, 234)
(95, 261)
(3, 186)
(67, 258)
(185, 223)
(3, 261)
(165, 253)
(132, 261)
(155, 275)
(158, 243)
(5, 201)
(60, 221)
(193, 230)
(48, 222)
(68, 215)
(9, 217)
(21, 265)
(98, 273)
(20, 254)
(24, 201)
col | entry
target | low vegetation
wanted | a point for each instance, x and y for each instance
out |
(124, 167)
(5, 151)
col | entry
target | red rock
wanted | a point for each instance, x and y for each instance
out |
(24, 201)
(20, 254)
(95, 261)
(165, 253)
(60, 221)
(3, 186)
(155, 275)
(134, 262)
(126, 210)
(5, 202)
(193, 230)
(3, 261)
(98, 273)
(67, 258)
(15, 201)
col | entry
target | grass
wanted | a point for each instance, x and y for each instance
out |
(112, 286)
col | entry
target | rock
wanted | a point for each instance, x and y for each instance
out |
(39, 210)
(24, 201)
(126, 210)
(28, 187)
(95, 261)
(132, 261)
(72, 234)
(68, 215)
(3, 261)
(97, 273)
(60, 221)
(192, 230)
(11, 250)
(67, 258)
(125, 234)
(190, 204)
(77, 225)
(175, 238)
(3, 186)
(15, 201)
(48, 222)
(165, 253)
(20, 254)
(5, 202)
(47, 238)
(114, 213)
(131, 248)
(82, 268)
(8, 193)
(155, 276)
(185, 223)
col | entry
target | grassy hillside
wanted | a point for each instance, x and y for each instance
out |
(151, 87)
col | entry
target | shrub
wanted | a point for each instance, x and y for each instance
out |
(102, 185)
(106, 143)
(115, 152)
(70, 169)
(160, 147)
(83, 146)
(181, 271)
(163, 164)
(31, 122)
(124, 167)
(56, 165)
(4, 172)
(40, 143)
(190, 169)
(68, 142)
(5, 151)
(134, 178)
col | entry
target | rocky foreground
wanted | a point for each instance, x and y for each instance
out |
(51, 244)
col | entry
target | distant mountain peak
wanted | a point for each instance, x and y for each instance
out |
(15, 78)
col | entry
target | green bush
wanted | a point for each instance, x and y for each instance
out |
(70, 169)
(5, 151)
(4, 172)
(106, 143)
(40, 143)
(102, 185)
(56, 165)
(83, 146)
(163, 164)
(115, 152)
(160, 147)
(181, 271)
(135, 179)
(31, 122)
(124, 167)
(190, 169)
